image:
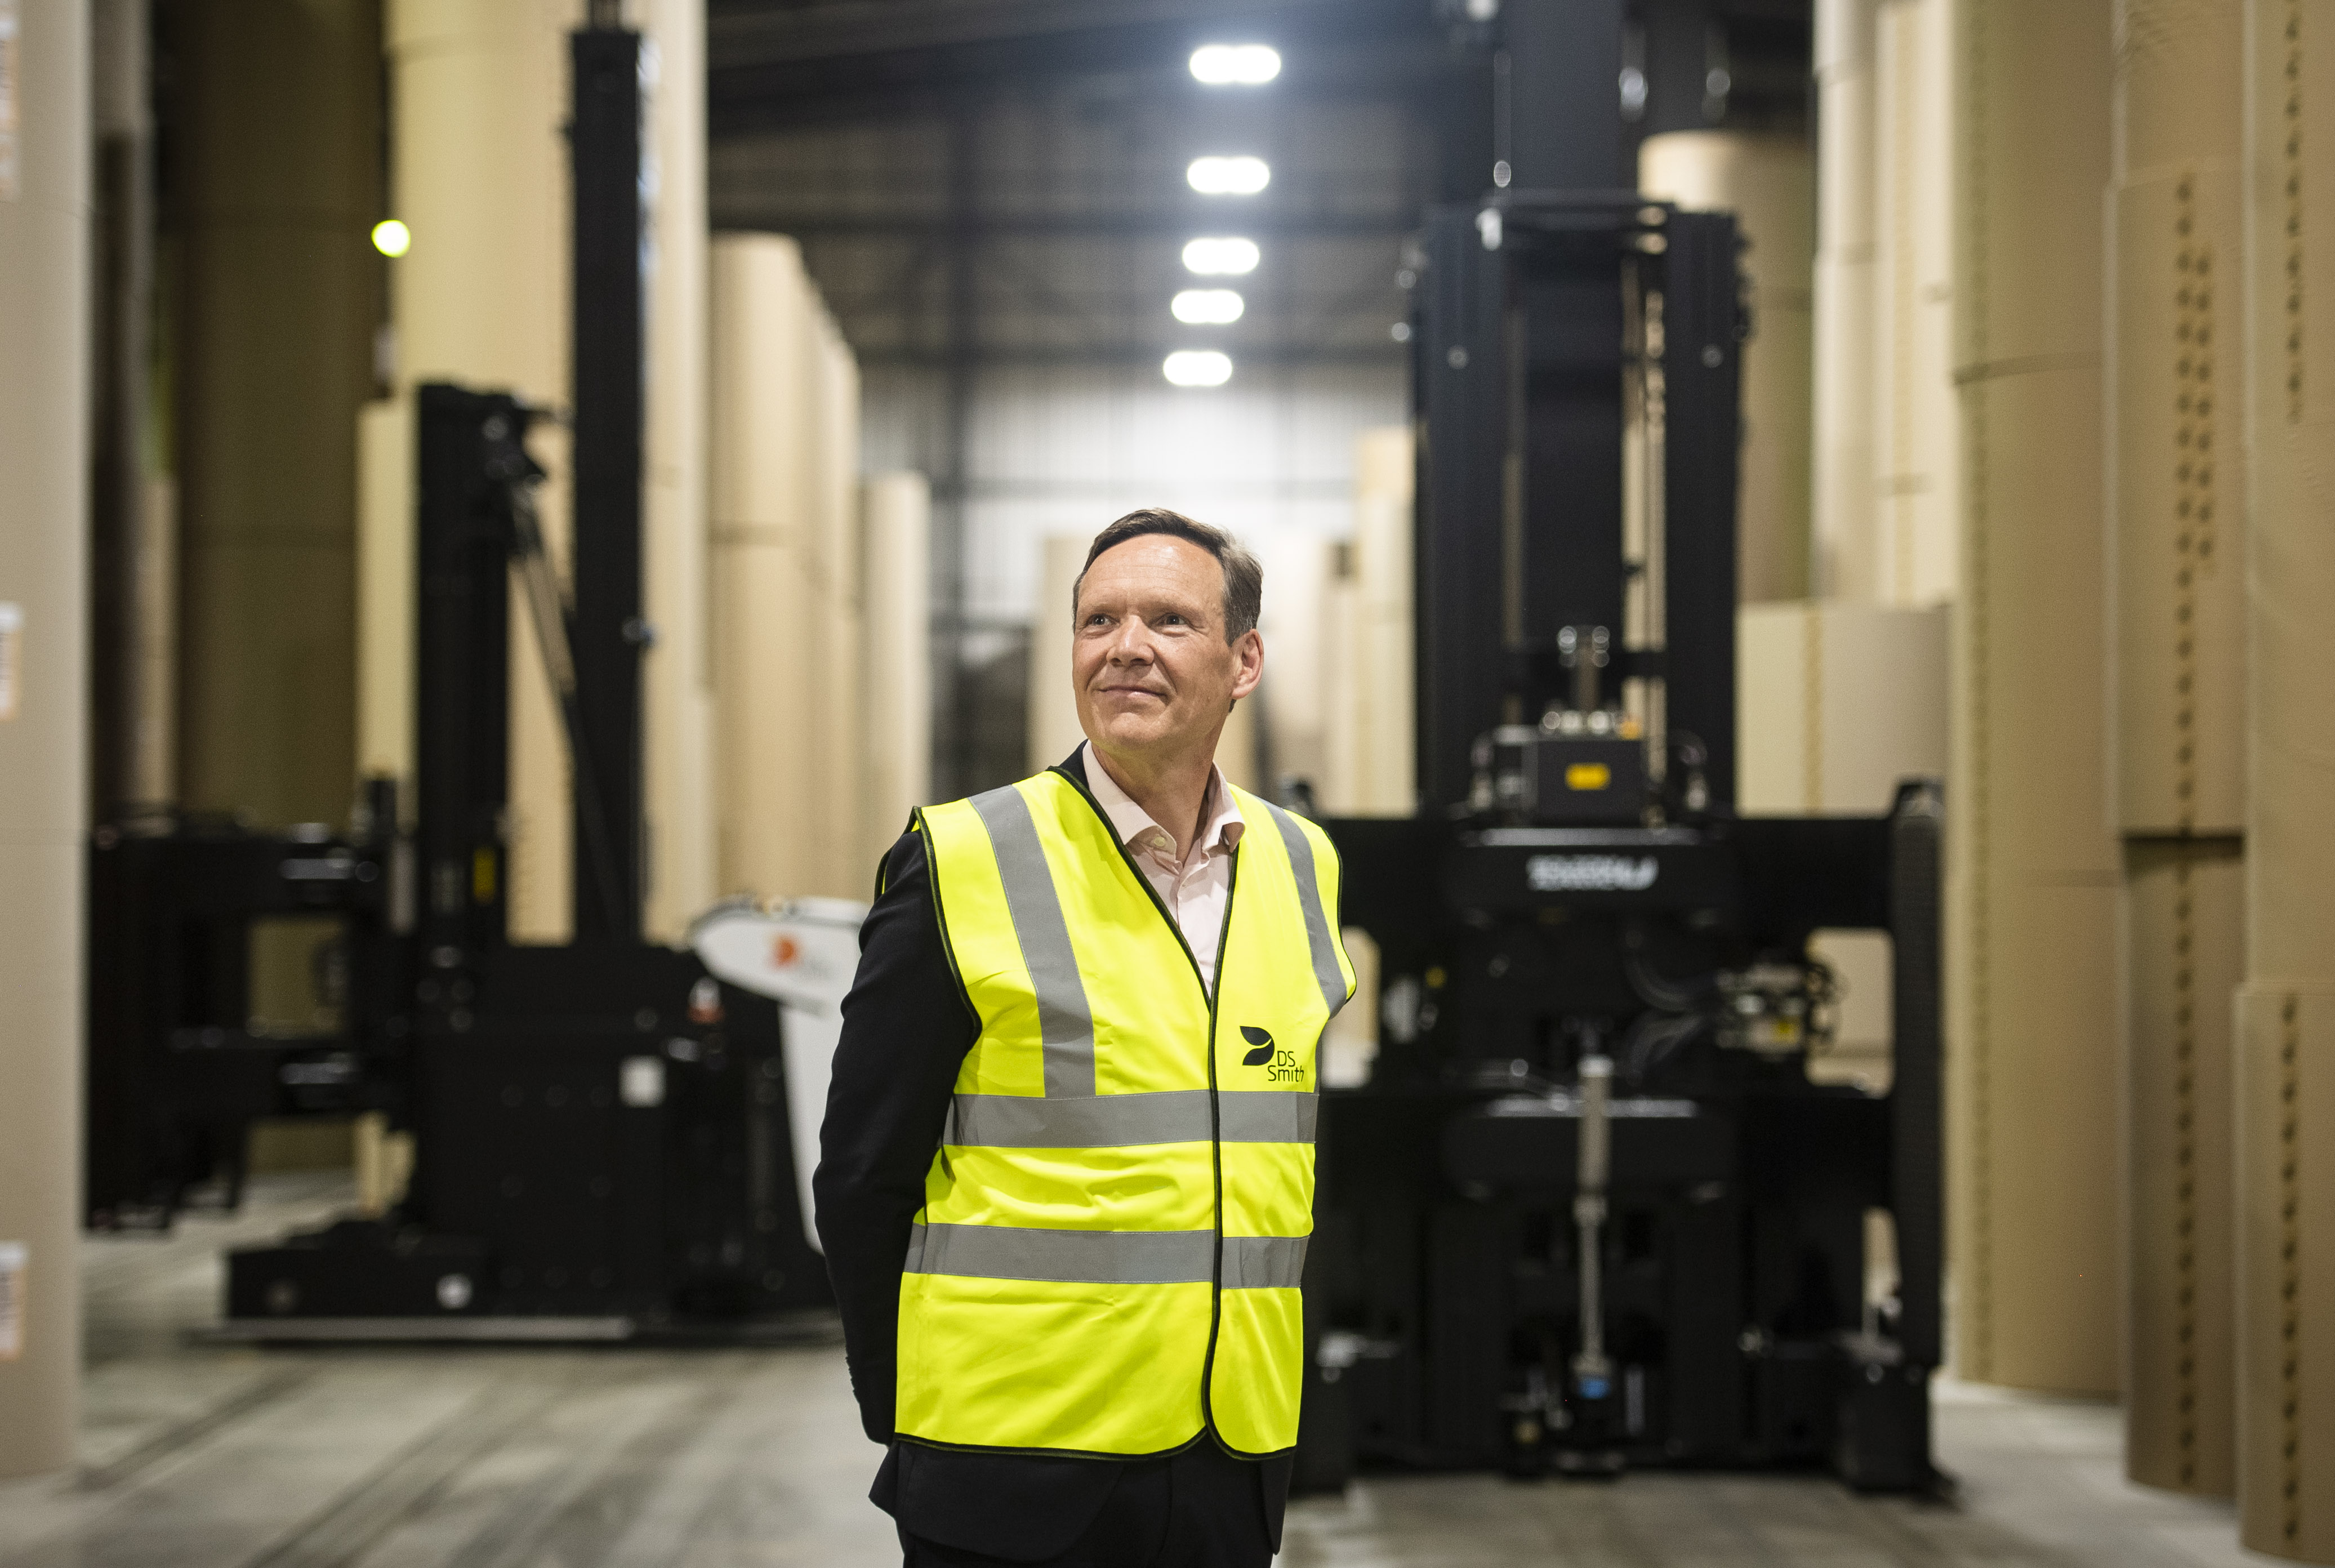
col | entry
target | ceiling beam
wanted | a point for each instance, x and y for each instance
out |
(750, 214)
(778, 80)
(993, 357)
(855, 28)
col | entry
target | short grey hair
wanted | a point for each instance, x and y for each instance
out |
(1243, 577)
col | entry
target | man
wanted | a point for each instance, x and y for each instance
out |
(1075, 1093)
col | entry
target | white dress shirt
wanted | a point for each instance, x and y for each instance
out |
(1196, 888)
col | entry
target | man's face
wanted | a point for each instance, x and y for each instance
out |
(1148, 659)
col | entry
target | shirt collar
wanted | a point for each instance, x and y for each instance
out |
(1220, 831)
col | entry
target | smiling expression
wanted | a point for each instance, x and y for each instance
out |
(1148, 659)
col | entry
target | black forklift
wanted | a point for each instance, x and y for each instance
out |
(599, 1131)
(1590, 1210)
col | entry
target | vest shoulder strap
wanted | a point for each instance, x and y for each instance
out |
(1315, 869)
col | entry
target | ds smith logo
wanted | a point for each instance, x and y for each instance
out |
(1279, 1066)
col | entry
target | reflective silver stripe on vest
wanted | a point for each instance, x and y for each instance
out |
(1065, 1023)
(1086, 1257)
(1097, 1121)
(1263, 1262)
(1266, 1115)
(1105, 1257)
(1326, 973)
(1129, 1120)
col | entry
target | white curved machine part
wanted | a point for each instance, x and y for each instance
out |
(803, 953)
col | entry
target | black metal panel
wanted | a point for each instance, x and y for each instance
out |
(1386, 869)
(1819, 1148)
(360, 1269)
(461, 646)
(1460, 391)
(1678, 66)
(1567, 330)
(1460, 104)
(1916, 1089)
(1738, 65)
(609, 299)
(532, 1147)
(1562, 100)
(1803, 872)
(1466, 1337)
(1703, 329)
(1704, 1263)
(148, 970)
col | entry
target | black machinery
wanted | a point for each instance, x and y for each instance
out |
(1590, 1210)
(600, 1133)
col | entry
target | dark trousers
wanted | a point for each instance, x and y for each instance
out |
(1201, 1508)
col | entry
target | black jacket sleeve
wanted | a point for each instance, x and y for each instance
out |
(907, 1026)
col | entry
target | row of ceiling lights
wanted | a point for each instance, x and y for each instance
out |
(1219, 256)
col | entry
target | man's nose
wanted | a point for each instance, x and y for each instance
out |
(1132, 642)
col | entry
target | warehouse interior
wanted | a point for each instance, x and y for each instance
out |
(1793, 548)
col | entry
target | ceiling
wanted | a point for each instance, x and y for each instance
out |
(1004, 180)
(997, 181)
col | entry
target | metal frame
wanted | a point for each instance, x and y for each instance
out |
(1522, 375)
(609, 300)
(462, 696)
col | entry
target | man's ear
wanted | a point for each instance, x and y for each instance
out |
(1249, 649)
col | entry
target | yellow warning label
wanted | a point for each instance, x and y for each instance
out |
(1588, 775)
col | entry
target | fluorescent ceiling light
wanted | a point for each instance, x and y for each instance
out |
(1242, 175)
(1221, 256)
(1236, 65)
(1197, 367)
(391, 238)
(1207, 306)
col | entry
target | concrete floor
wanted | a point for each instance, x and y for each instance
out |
(201, 1457)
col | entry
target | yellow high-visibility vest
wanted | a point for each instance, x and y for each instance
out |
(1108, 1258)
